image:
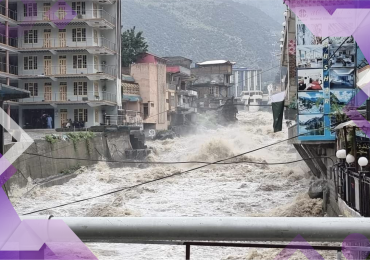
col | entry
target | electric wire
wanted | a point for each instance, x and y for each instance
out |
(161, 178)
(176, 162)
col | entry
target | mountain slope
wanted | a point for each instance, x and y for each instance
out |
(273, 8)
(205, 29)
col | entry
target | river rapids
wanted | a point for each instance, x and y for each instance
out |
(234, 190)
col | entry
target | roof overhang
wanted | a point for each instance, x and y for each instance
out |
(179, 71)
(352, 123)
(8, 93)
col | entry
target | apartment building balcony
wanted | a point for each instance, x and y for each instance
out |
(188, 93)
(8, 15)
(105, 2)
(186, 107)
(130, 89)
(97, 18)
(92, 98)
(11, 73)
(100, 46)
(8, 43)
(130, 119)
(92, 72)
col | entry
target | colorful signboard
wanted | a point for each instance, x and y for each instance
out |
(326, 81)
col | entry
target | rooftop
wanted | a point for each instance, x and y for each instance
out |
(215, 62)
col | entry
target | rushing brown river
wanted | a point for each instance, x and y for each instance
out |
(235, 190)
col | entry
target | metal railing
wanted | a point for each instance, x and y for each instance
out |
(354, 189)
(67, 43)
(12, 69)
(209, 232)
(130, 89)
(110, 70)
(11, 41)
(132, 118)
(67, 15)
(71, 96)
(10, 14)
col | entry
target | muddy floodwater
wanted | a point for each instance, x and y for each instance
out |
(234, 190)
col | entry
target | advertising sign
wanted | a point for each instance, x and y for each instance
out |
(326, 81)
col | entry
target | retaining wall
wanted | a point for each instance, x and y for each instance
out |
(43, 160)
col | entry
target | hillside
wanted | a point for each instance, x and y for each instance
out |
(273, 8)
(206, 29)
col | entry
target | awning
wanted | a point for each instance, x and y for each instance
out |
(8, 93)
(356, 123)
(131, 98)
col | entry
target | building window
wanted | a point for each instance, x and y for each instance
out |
(30, 9)
(32, 88)
(146, 110)
(79, 7)
(80, 115)
(30, 63)
(79, 61)
(30, 36)
(80, 89)
(213, 91)
(79, 35)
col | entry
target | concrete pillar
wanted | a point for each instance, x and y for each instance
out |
(7, 62)
(261, 80)
(7, 31)
(236, 82)
(255, 80)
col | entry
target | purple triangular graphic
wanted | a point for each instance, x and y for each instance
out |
(310, 253)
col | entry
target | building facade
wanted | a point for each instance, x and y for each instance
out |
(245, 80)
(182, 100)
(212, 80)
(67, 54)
(150, 73)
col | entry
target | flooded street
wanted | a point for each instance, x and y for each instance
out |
(235, 190)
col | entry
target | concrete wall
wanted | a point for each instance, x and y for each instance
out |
(44, 163)
(152, 81)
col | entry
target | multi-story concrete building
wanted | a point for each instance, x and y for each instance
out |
(67, 54)
(150, 73)
(180, 97)
(212, 82)
(245, 80)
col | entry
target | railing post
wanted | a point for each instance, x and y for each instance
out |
(339, 255)
(187, 256)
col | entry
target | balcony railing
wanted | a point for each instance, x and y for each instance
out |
(11, 41)
(12, 69)
(89, 96)
(41, 71)
(11, 14)
(67, 43)
(132, 118)
(67, 15)
(189, 93)
(354, 189)
(132, 89)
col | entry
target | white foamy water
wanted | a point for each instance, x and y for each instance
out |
(235, 190)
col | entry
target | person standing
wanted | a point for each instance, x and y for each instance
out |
(49, 122)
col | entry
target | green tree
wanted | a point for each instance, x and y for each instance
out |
(133, 46)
